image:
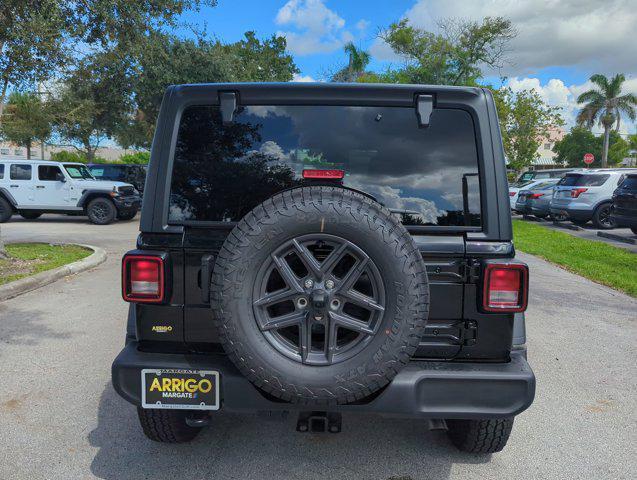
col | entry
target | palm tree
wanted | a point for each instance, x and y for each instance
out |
(358, 61)
(605, 104)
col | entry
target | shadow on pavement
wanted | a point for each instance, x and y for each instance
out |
(25, 327)
(247, 446)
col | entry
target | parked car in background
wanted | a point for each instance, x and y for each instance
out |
(587, 195)
(133, 174)
(515, 188)
(536, 200)
(543, 174)
(624, 209)
(33, 187)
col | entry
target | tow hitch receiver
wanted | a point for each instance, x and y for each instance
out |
(319, 422)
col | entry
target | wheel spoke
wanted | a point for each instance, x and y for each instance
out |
(275, 297)
(331, 331)
(305, 339)
(350, 323)
(363, 300)
(333, 258)
(352, 275)
(307, 258)
(288, 320)
(287, 274)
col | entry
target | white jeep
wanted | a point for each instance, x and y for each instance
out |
(33, 187)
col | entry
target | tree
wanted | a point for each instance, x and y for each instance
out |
(92, 103)
(358, 61)
(167, 60)
(580, 140)
(32, 34)
(454, 56)
(604, 104)
(525, 120)
(38, 37)
(26, 119)
(575, 144)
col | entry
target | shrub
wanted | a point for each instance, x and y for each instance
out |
(138, 158)
(74, 157)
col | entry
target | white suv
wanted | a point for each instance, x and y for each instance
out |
(33, 187)
(587, 195)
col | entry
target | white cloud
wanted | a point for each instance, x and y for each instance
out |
(313, 28)
(589, 34)
(557, 94)
(302, 78)
(362, 24)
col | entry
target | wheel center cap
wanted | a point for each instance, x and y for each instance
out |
(319, 300)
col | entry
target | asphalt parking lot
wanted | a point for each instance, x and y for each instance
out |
(61, 419)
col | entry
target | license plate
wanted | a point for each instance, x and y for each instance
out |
(180, 389)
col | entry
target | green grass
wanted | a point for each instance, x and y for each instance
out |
(597, 261)
(31, 258)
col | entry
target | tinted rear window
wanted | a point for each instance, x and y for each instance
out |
(630, 183)
(222, 171)
(20, 172)
(594, 180)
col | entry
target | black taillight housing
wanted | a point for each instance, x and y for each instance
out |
(144, 277)
(505, 287)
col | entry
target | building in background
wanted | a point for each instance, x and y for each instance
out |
(545, 151)
(10, 150)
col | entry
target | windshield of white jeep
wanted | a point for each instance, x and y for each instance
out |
(79, 172)
(425, 176)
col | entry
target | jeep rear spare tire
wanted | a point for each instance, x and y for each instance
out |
(320, 295)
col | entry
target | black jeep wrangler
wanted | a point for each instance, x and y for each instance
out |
(326, 249)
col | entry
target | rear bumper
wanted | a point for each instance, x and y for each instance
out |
(572, 214)
(423, 389)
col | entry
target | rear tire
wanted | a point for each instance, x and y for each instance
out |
(101, 211)
(634, 230)
(30, 215)
(480, 436)
(5, 210)
(166, 426)
(602, 218)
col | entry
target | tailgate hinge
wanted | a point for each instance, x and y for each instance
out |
(469, 333)
(471, 271)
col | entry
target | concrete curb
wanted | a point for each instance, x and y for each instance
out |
(618, 238)
(18, 287)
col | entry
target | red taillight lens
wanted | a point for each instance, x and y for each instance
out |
(505, 287)
(536, 195)
(576, 192)
(324, 174)
(511, 194)
(143, 278)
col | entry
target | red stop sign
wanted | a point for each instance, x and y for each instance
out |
(589, 158)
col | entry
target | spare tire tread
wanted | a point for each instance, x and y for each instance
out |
(307, 199)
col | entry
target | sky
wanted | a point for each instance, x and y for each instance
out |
(560, 43)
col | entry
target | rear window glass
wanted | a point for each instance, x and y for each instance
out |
(630, 183)
(544, 185)
(425, 176)
(20, 172)
(594, 180)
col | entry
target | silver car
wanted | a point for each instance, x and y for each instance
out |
(536, 200)
(587, 195)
